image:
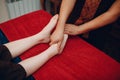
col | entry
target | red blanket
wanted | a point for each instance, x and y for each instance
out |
(79, 60)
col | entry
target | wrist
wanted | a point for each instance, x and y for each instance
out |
(80, 29)
(60, 28)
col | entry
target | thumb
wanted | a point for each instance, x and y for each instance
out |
(52, 42)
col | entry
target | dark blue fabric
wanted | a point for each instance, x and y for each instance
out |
(3, 39)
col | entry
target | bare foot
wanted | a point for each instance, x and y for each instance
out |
(63, 43)
(55, 47)
(45, 33)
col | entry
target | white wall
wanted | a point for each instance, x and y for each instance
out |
(21, 7)
(6, 12)
(3, 11)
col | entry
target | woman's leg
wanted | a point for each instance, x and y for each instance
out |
(19, 46)
(34, 63)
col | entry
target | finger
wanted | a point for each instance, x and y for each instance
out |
(67, 32)
(50, 43)
(53, 42)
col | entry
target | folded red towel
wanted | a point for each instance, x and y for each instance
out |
(79, 60)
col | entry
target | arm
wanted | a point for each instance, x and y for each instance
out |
(65, 10)
(106, 18)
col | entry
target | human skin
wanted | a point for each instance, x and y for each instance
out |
(32, 64)
(65, 11)
(106, 18)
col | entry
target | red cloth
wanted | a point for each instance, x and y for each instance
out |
(79, 60)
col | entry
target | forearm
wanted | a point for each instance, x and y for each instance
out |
(106, 18)
(98, 22)
(65, 10)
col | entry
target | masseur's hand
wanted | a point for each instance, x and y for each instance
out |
(71, 29)
(57, 37)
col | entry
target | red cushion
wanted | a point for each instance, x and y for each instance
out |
(79, 60)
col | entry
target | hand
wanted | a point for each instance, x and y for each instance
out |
(57, 37)
(71, 29)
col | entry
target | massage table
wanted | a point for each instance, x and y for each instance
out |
(78, 61)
